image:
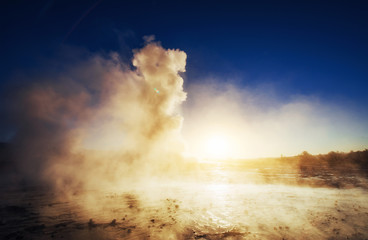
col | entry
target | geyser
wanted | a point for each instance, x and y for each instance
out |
(99, 121)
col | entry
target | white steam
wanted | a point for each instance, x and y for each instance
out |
(98, 121)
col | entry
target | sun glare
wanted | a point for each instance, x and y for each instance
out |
(217, 147)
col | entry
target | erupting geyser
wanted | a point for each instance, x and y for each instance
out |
(99, 121)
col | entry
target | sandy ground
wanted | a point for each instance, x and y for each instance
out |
(224, 206)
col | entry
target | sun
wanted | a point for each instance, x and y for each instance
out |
(216, 147)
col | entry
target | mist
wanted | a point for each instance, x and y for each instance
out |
(259, 121)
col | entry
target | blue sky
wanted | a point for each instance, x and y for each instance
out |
(306, 47)
(297, 48)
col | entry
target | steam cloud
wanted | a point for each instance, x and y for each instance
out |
(99, 120)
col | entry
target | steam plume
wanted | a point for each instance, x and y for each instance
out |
(99, 120)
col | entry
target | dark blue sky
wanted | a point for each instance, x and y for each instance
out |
(301, 47)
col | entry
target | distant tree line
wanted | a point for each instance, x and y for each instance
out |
(335, 160)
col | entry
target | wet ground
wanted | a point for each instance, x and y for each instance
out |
(223, 204)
